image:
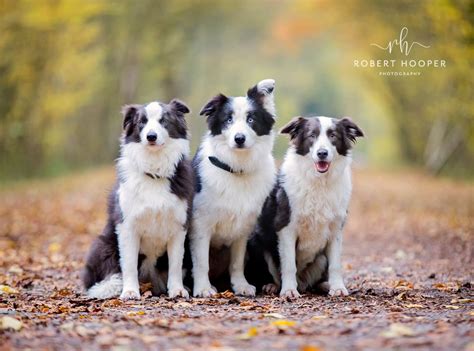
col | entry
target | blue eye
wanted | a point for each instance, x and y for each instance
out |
(249, 120)
(229, 120)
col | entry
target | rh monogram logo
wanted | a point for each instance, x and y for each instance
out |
(405, 46)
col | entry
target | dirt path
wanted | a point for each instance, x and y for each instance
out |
(408, 262)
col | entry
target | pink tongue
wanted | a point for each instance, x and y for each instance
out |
(322, 166)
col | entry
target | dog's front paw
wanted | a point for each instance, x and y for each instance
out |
(244, 289)
(130, 295)
(290, 293)
(270, 289)
(178, 292)
(338, 290)
(207, 291)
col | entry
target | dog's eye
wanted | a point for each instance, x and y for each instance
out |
(249, 119)
(143, 120)
(332, 135)
(313, 135)
(229, 120)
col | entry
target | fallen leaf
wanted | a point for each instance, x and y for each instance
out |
(251, 333)
(452, 307)
(397, 330)
(283, 324)
(309, 348)
(54, 247)
(318, 317)
(5, 289)
(462, 300)
(414, 305)
(274, 315)
(10, 323)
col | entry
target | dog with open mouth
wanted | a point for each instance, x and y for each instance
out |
(235, 173)
(149, 208)
(298, 238)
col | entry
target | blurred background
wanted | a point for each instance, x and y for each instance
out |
(67, 67)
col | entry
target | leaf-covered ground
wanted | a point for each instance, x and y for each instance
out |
(408, 262)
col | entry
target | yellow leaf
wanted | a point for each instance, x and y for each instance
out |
(251, 333)
(309, 348)
(462, 300)
(54, 247)
(10, 323)
(319, 317)
(281, 323)
(5, 289)
(452, 307)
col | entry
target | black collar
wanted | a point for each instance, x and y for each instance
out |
(153, 176)
(224, 166)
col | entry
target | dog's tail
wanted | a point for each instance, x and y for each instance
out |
(102, 276)
(111, 286)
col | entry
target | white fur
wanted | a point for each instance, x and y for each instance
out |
(153, 217)
(109, 287)
(319, 205)
(226, 210)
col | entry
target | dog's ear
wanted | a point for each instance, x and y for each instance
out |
(129, 112)
(293, 127)
(213, 105)
(179, 107)
(262, 93)
(351, 129)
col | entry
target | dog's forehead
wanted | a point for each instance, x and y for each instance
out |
(154, 110)
(326, 123)
(240, 105)
(313, 124)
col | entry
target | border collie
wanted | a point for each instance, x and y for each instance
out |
(149, 208)
(299, 232)
(235, 173)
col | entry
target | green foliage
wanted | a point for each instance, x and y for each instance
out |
(68, 65)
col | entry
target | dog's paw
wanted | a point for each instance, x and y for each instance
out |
(130, 295)
(270, 289)
(205, 292)
(290, 293)
(244, 289)
(178, 292)
(338, 290)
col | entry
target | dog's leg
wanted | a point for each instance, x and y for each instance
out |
(175, 271)
(336, 283)
(200, 244)
(129, 246)
(313, 273)
(236, 268)
(287, 250)
(271, 288)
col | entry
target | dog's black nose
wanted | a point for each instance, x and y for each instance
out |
(322, 154)
(151, 136)
(239, 139)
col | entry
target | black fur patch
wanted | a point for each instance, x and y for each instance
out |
(197, 177)
(218, 110)
(134, 119)
(303, 132)
(182, 185)
(345, 134)
(173, 119)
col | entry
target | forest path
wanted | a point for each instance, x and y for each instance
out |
(408, 263)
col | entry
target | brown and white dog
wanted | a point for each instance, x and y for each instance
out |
(149, 208)
(299, 233)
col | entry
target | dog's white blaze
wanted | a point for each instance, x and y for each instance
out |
(154, 113)
(240, 106)
(323, 142)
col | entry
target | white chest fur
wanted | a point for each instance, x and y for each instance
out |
(318, 202)
(229, 204)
